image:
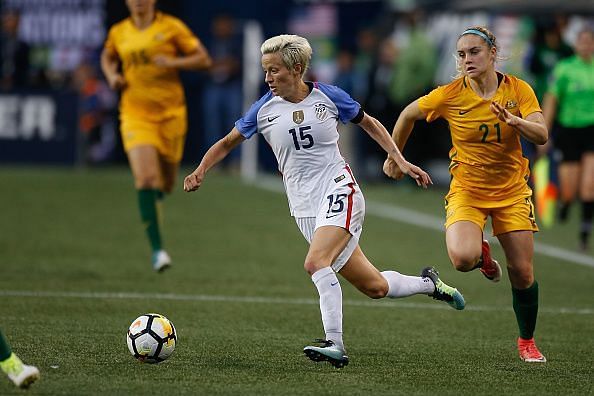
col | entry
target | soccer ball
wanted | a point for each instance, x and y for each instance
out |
(151, 338)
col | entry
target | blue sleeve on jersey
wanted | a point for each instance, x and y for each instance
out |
(348, 108)
(248, 124)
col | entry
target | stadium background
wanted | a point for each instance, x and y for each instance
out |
(74, 266)
(383, 52)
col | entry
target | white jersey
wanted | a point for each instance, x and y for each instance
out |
(304, 139)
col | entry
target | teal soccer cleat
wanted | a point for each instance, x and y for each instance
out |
(327, 351)
(443, 292)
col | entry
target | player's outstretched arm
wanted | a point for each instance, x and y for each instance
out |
(109, 65)
(400, 134)
(378, 132)
(196, 60)
(213, 156)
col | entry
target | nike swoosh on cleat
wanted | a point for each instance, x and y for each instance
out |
(270, 119)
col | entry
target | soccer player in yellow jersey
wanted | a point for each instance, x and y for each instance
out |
(141, 57)
(487, 112)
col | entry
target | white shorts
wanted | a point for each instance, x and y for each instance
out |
(344, 207)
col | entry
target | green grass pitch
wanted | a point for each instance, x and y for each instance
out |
(75, 271)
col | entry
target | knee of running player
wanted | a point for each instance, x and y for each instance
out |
(521, 276)
(464, 259)
(315, 262)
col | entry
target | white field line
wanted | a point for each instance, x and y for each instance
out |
(409, 216)
(272, 300)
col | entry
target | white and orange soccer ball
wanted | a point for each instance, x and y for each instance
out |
(151, 338)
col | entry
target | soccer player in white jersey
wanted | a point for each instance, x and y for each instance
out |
(299, 121)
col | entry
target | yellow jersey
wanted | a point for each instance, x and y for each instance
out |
(486, 157)
(151, 92)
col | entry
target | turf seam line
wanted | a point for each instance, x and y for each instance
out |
(274, 300)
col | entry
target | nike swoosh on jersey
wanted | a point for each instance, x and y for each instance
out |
(334, 215)
(462, 112)
(270, 119)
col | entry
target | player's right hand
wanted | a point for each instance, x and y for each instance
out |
(193, 181)
(392, 170)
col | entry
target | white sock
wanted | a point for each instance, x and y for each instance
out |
(404, 285)
(330, 303)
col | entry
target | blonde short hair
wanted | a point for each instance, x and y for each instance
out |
(293, 49)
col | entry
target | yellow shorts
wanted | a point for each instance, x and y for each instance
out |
(167, 136)
(513, 214)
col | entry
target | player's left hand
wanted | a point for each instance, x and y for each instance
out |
(163, 61)
(397, 171)
(419, 175)
(503, 115)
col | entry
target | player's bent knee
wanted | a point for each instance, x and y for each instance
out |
(464, 262)
(462, 266)
(311, 267)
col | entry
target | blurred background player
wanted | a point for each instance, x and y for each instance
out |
(487, 112)
(14, 59)
(547, 47)
(570, 102)
(96, 121)
(299, 121)
(19, 373)
(223, 93)
(142, 56)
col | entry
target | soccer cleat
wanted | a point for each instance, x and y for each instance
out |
(442, 291)
(490, 268)
(20, 374)
(327, 351)
(161, 260)
(529, 352)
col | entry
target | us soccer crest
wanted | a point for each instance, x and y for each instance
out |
(321, 111)
(298, 116)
